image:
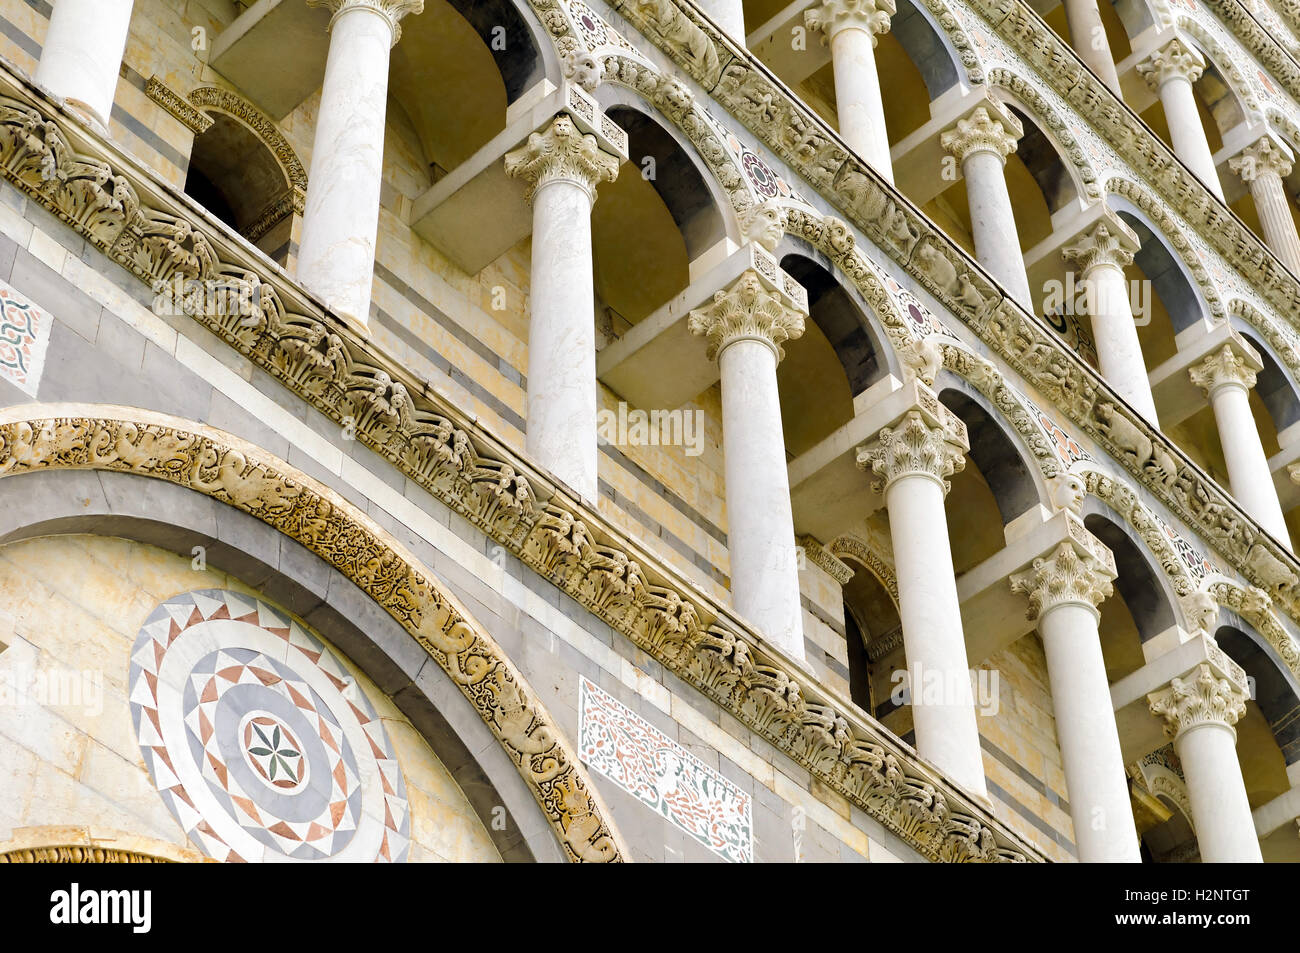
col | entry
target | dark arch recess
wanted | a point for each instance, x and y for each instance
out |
(676, 179)
(173, 518)
(996, 455)
(1137, 582)
(835, 312)
(510, 40)
(1275, 692)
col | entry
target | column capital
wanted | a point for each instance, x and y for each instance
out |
(990, 128)
(562, 151)
(1265, 155)
(1107, 242)
(747, 311)
(1235, 364)
(391, 10)
(926, 440)
(831, 16)
(1075, 572)
(1200, 697)
(1174, 60)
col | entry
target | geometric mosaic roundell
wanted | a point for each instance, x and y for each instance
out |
(261, 744)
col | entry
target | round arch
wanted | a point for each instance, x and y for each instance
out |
(176, 484)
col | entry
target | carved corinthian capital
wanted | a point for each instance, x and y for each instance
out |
(1175, 60)
(987, 129)
(832, 16)
(1068, 574)
(1264, 156)
(919, 444)
(1109, 242)
(746, 311)
(390, 10)
(562, 151)
(1234, 364)
(1199, 698)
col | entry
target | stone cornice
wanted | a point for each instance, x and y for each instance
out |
(129, 215)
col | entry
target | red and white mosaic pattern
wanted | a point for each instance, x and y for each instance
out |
(262, 744)
(663, 775)
(24, 337)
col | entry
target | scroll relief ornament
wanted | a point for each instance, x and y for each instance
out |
(562, 151)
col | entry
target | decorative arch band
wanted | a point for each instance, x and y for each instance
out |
(234, 472)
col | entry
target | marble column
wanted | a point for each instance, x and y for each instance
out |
(1065, 586)
(746, 325)
(1170, 72)
(81, 56)
(340, 223)
(563, 166)
(1088, 38)
(912, 459)
(1262, 166)
(851, 27)
(1227, 376)
(729, 15)
(981, 143)
(1100, 256)
(1199, 710)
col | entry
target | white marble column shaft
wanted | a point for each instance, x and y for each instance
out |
(1088, 38)
(1227, 376)
(746, 325)
(1101, 254)
(81, 56)
(913, 458)
(981, 143)
(340, 224)
(1199, 711)
(1262, 166)
(563, 166)
(1065, 587)
(851, 28)
(728, 14)
(1170, 72)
